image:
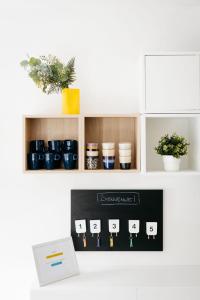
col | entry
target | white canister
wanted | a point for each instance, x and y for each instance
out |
(124, 146)
(125, 152)
(125, 159)
(108, 152)
(108, 146)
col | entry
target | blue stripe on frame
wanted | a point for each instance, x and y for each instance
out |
(56, 264)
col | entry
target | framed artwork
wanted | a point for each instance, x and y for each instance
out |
(55, 261)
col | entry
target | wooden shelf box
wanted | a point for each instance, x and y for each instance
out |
(112, 128)
(186, 125)
(51, 128)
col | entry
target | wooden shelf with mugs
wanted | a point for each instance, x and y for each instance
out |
(74, 143)
(112, 143)
(52, 144)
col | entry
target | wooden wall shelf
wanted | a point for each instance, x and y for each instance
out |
(91, 128)
(51, 128)
(109, 128)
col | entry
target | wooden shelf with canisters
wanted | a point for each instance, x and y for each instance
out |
(85, 129)
(107, 130)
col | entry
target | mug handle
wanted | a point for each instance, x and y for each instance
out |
(57, 156)
(75, 157)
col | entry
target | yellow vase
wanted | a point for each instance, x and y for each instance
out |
(71, 101)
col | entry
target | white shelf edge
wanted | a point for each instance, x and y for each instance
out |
(182, 173)
(171, 115)
(163, 53)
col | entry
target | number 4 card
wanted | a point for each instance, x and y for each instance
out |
(134, 226)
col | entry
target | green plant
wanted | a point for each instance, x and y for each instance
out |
(49, 73)
(174, 145)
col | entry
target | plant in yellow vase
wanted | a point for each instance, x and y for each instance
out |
(52, 76)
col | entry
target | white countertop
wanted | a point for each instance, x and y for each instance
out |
(140, 276)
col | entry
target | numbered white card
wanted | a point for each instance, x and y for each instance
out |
(80, 226)
(95, 226)
(113, 226)
(151, 228)
(134, 226)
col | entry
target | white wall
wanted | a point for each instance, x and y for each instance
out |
(107, 38)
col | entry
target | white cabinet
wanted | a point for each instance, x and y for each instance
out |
(172, 83)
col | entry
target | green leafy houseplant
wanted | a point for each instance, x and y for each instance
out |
(173, 145)
(49, 73)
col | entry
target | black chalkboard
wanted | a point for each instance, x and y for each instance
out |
(143, 205)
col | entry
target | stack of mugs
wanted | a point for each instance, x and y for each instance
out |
(70, 154)
(35, 157)
(125, 155)
(52, 156)
(92, 156)
(108, 151)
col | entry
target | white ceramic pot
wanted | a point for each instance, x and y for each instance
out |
(124, 146)
(125, 159)
(171, 164)
(108, 146)
(108, 152)
(126, 152)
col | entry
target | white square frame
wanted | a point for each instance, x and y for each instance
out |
(55, 260)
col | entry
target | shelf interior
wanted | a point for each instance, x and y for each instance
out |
(50, 129)
(113, 129)
(185, 126)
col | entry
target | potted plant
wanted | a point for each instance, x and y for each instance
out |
(172, 148)
(53, 76)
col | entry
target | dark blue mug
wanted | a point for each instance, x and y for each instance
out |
(108, 162)
(55, 146)
(35, 161)
(37, 146)
(52, 160)
(70, 146)
(70, 160)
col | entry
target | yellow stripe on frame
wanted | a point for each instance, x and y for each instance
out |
(54, 255)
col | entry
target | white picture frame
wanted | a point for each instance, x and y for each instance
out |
(55, 260)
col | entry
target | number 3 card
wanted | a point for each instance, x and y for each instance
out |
(113, 226)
